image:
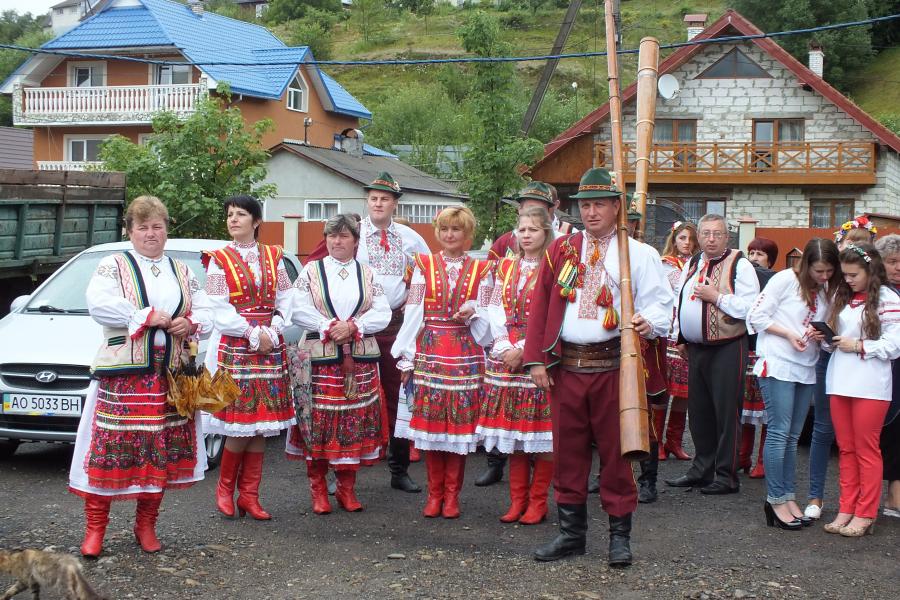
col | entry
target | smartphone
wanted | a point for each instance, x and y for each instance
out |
(823, 328)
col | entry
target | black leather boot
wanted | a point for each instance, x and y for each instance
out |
(620, 541)
(572, 534)
(496, 460)
(398, 463)
(647, 480)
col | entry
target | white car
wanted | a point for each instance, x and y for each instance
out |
(48, 342)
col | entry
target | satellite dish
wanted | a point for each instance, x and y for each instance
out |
(668, 86)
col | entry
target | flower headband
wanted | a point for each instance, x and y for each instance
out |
(860, 251)
(862, 222)
(676, 225)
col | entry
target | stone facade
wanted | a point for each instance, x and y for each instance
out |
(725, 110)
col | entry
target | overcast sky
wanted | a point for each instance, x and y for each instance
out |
(35, 7)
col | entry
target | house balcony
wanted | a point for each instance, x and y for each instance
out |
(811, 163)
(123, 104)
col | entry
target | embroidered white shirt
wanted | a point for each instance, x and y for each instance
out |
(343, 290)
(390, 265)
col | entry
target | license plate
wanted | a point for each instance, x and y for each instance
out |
(42, 405)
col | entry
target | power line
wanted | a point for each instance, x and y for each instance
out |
(470, 59)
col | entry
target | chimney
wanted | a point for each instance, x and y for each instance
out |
(196, 7)
(696, 23)
(816, 59)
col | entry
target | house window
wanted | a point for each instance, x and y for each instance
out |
(785, 132)
(297, 97)
(84, 149)
(828, 213)
(321, 210)
(694, 208)
(173, 74)
(673, 131)
(734, 65)
(419, 213)
(87, 77)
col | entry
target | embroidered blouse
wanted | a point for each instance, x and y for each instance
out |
(344, 281)
(228, 321)
(414, 317)
(108, 307)
(390, 256)
(780, 303)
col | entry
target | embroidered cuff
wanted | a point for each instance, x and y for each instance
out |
(274, 335)
(140, 322)
(325, 329)
(404, 364)
(501, 345)
(277, 323)
(356, 330)
(253, 338)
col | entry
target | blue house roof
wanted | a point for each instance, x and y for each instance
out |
(207, 38)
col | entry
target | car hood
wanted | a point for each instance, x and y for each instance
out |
(49, 339)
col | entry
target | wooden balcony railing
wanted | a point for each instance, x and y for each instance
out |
(747, 162)
(66, 165)
(118, 104)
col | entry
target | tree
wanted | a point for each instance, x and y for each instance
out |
(368, 16)
(193, 164)
(282, 11)
(26, 32)
(490, 167)
(847, 51)
(314, 30)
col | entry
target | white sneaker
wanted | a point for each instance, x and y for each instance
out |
(891, 512)
(812, 511)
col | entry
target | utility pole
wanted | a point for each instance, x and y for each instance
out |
(564, 30)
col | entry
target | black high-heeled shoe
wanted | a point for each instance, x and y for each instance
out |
(772, 520)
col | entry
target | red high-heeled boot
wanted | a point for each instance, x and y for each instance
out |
(316, 470)
(414, 454)
(96, 516)
(675, 433)
(145, 516)
(540, 487)
(519, 471)
(248, 487)
(759, 470)
(434, 466)
(228, 472)
(346, 494)
(454, 474)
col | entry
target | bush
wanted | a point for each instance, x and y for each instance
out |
(316, 31)
(516, 19)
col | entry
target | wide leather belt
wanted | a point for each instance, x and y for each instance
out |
(393, 328)
(602, 356)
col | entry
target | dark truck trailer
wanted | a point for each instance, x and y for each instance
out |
(47, 217)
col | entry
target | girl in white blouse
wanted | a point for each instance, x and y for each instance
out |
(786, 367)
(866, 318)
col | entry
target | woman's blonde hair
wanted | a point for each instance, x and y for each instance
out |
(144, 208)
(460, 216)
(541, 218)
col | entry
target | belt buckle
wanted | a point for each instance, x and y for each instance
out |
(578, 362)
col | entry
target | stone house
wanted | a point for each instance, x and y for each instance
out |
(752, 133)
(129, 59)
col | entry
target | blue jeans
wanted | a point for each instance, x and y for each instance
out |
(787, 403)
(823, 433)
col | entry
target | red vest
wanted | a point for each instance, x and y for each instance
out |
(243, 293)
(440, 301)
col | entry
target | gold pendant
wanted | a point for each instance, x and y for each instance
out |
(343, 273)
(155, 270)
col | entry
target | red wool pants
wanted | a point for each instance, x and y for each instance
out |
(585, 409)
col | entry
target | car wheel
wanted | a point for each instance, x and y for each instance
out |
(215, 445)
(8, 448)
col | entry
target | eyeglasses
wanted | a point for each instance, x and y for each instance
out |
(712, 234)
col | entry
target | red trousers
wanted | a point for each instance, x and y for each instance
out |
(857, 427)
(585, 409)
(390, 379)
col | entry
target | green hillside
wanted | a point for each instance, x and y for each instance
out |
(878, 89)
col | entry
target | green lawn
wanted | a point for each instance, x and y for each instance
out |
(878, 90)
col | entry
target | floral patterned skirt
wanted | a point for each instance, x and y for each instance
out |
(515, 415)
(754, 409)
(447, 381)
(131, 442)
(678, 372)
(346, 433)
(264, 407)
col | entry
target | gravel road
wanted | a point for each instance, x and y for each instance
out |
(686, 545)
